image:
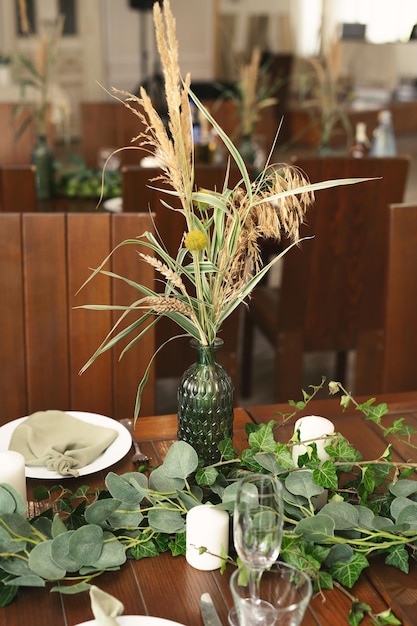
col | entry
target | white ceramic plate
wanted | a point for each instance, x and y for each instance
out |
(116, 451)
(137, 620)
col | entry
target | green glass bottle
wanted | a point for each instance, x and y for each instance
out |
(43, 160)
(205, 403)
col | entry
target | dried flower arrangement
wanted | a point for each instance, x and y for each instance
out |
(219, 262)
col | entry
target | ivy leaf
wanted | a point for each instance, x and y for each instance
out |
(326, 475)
(348, 573)
(144, 550)
(7, 593)
(206, 476)
(398, 557)
(263, 439)
(325, 580)
(368, 478)
(283, 456)
(178, 545)
(386, 618)
(226, 449)
(247, 459)
(357, 612)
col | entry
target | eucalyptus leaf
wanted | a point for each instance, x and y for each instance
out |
(16, 566)
(318, 528)
(160, 482)
(58, 527)
(60, 552)
(403, 487)
(121, 489)
(366, 517)
(181, 460)
(112, 555)
(398, 504)
(85, 544)
(72, 589)
(301, 483)
(42, 563)
(27, 581)
(408, 515)
(345, 515)
(19, 504)
(99, 511)
(7, 501)
(126, 517)
(340, 553)
(18, 525)
(269, 462)
(164, 521)
(44, 526)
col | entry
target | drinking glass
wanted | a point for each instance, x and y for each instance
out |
(257, 523)
(284, 594)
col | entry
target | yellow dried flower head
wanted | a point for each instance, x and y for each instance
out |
(195, 241)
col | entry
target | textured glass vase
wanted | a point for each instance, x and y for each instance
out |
(247, 150)
(205, 403)
(43, 160)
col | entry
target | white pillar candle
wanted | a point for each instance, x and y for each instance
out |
(206, 527)
(12, 471)
(312, 428)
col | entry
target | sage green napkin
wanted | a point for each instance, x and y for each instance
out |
(60, 442)
(105, 607)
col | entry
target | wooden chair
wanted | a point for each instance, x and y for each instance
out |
(398, 345)
(44, 340)
(108, 125)
(138, 193)
(331, 295)
(18, 188)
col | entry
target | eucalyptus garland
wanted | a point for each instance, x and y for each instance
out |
(370, 508)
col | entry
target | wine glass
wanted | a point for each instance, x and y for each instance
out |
(257, 524)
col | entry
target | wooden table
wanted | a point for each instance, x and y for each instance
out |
(168, 587)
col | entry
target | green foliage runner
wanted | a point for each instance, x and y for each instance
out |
(370, 507)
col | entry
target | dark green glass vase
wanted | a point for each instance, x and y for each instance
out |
(205, 404)
(247, 150)
(43, 160)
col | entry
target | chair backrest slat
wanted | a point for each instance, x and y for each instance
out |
(44, 338)
(399, 372)
(18, 188)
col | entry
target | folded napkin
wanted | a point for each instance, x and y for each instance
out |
(60, 441)
(105, 607)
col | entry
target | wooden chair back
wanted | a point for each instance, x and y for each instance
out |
(399, 338)
(139, 193)
(331, 294)
(18, 188)
(108, 125)
(44, 339)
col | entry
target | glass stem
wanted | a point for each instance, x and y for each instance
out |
(254, 582)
